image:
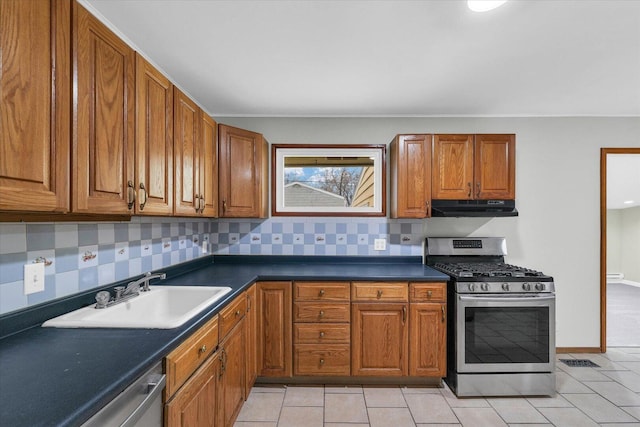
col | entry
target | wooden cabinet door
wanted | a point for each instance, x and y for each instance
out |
(103, 118)
(208, 192)
(195, 403)
(186, 143)
(232, 375)
(274, 329)
(380, 338)
(243, 179)
(428, 340)
(495, 167)
(411, 176)
(35, 100)
(251, 324)
(154, 141)
(452, 176)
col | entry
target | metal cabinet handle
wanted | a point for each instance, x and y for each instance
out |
(469, 185)
(146, 196)
(203, 204)
(131, 195)
(224, 206)
(404, 314)
(442, 307)
(478, 189)
(321, 313)
(321, 334)
(237, 313)
(321, 361)
(429, 294)
(202, 349)
(379, 293)
(321, 292)
(428, 209)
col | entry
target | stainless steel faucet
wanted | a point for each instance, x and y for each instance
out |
(103, 298)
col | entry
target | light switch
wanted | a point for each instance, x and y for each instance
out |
(33, 278)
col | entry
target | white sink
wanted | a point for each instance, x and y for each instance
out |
(162, 307)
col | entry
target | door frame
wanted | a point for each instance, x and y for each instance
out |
(603, 238)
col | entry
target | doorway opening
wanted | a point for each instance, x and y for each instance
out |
(617, 311)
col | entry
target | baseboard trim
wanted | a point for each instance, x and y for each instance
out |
(561, 350)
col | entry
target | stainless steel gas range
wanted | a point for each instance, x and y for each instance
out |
(501, 330)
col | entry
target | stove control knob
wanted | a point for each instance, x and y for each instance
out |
(484, 286)
(472, 287)
(506, 287)
(539, 286)
(526, 286)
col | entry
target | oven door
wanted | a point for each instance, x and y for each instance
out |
(505, 333)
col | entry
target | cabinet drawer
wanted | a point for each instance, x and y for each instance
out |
(321, 312)
(380, 291)
(428, 292)
(321, 291)
(319, 333)
(184, 360)
(313, 359)
(231, 314)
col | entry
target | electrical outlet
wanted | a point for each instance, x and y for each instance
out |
(379, 244)
(205, 247)
(33, 278)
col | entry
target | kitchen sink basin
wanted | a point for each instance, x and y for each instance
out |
(162, 307)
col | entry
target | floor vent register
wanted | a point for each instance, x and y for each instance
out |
(579, 363)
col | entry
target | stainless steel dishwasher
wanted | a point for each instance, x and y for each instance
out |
(139, 405)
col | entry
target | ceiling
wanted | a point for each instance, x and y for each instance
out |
(623, 180)
(391, 58)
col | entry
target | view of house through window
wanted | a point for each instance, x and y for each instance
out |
(328, 181)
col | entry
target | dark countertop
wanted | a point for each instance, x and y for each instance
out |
(55, 376)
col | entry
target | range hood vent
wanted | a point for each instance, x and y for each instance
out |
(473, 208)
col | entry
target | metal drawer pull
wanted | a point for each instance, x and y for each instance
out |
(143, 188)
(442, 307)
(321, 361)
(404, 314)
(321, 292)
(379, 293)
(469, 184)
(237, 312)
(429, 294)
(202, 349)
(321, 334)
(321, 313)
(131, 195)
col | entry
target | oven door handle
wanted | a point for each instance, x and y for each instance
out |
(508, 299)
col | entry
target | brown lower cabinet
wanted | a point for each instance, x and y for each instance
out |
(232, 375)
(274, 329)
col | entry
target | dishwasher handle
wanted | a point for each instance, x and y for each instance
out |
(155, 387)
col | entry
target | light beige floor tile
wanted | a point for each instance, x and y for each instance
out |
(598, 408)
(420, 390)
(438, 425)
(633, 410)
(465, 402)
(629, 379)
(619, 355)
(565, 383)
(383, 397)
(269, 388)
(254, 424)
(632, 366)
(386, 417)
(345, 408)
(261, 407)
(630, 350)
(615, 393)
(430, 408)
(346, 424)
(605, 364)
(567, 417)
(344, 389)
(304, 396)
(474, 417)
(516, 410)
(530, 425)
(296, 416)
(583, 373)
(556, 401)
(620, 425)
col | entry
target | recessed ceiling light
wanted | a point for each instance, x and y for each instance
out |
(628, 202)
(484, 5)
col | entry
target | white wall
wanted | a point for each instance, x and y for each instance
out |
(630, 243)
(614, 241)
(557, 187)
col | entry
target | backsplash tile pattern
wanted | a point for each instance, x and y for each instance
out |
(84, 256)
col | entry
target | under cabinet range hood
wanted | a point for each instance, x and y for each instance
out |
(473, 208)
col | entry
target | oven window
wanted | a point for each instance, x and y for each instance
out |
(506, 335)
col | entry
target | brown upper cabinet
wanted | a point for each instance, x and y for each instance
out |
(467, 167)
(154, 141)
(411, 176)
(195, 151)
(102, 159)
(35, 100)
(243, 185)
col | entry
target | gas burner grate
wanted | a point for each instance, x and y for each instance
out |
(579, 363)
